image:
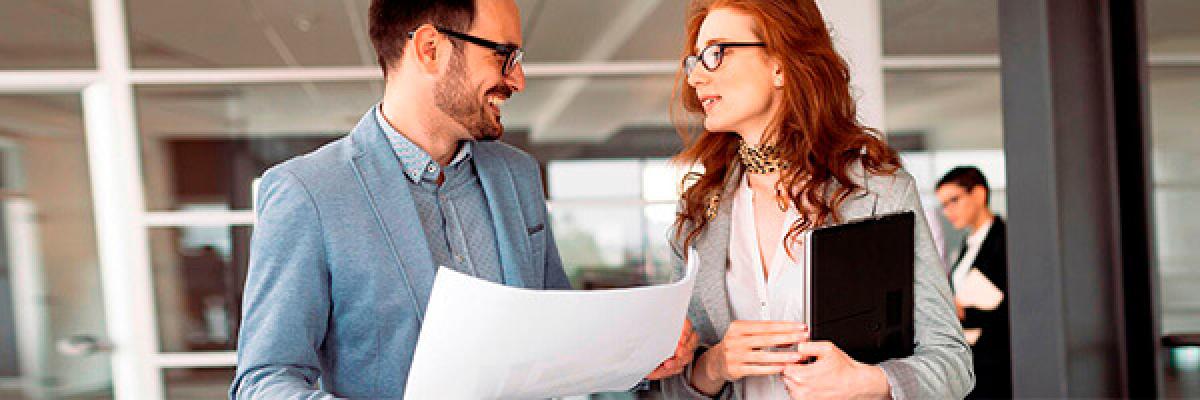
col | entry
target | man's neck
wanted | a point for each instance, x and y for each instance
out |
(982, 221)
(416, 123)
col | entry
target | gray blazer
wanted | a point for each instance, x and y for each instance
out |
(940, 367)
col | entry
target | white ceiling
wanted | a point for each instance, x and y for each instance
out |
(957, 110)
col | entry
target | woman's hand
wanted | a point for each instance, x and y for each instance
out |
(682, 357)
(745, 351)
(833, 375)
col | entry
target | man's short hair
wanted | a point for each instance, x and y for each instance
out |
(392, 20)
(968, 178)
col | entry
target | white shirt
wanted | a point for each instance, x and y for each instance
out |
(974, 242)
(776, 297)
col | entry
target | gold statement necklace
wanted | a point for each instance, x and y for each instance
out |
(764, 159)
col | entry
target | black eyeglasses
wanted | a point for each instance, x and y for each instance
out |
(712, 55)
(512, 53)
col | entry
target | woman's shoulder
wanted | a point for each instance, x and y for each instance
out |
(895, 181)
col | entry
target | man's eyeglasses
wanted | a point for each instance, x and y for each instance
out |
(712, 55)
(512, 53)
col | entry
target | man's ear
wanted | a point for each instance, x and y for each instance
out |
(423, 48)
(979, 194)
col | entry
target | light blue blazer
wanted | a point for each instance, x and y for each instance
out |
(340, 271)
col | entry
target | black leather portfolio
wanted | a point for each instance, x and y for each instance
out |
(860, 286)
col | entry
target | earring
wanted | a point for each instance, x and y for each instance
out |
(778, 81)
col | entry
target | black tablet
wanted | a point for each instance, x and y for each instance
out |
(860, 286)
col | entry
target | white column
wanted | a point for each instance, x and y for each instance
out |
(857, 28)
(113, 161)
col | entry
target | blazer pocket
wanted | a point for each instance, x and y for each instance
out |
(535, 229)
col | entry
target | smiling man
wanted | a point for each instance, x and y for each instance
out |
(348, 237)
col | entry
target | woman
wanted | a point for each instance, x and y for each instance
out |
(783, 153)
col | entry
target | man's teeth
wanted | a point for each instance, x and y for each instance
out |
(708, 101)
(496, 101)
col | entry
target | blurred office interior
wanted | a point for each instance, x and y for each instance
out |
(132, 131)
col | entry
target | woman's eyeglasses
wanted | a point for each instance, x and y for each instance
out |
(712, 55)
(512, 53)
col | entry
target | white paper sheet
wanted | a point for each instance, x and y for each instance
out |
(978, 291)
(481, 340)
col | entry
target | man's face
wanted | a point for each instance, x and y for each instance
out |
(962, 207)
(473, 87)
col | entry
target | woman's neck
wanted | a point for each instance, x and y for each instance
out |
(763, 183)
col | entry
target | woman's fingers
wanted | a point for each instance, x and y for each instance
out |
(770, 357)
(744, 327)
(815, 349)
(752, 369)
(771, 340)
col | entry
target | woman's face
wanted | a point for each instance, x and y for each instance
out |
(740, 95)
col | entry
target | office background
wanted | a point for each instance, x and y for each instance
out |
(131, 133)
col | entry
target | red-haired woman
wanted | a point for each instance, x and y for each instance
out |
(783, 152)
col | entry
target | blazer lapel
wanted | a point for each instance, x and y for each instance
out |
(712, 246)
(512, 238)
(391, 200)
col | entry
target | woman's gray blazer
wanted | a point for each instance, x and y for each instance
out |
(940, 367)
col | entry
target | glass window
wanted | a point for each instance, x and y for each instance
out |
(199, 274)
(1171, 27)
(939, 120)
(204, 145)
(51, 296)
(585, 30)
(1175, 149)
(180, 33)
(940, 27)
(46, 35)
(197, 383)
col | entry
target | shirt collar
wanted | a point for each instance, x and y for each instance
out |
(976, 238)
(417, 163)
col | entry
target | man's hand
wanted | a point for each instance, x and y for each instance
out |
(682, 357)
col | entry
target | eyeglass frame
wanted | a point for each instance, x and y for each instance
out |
(512, 53)
(690, 62)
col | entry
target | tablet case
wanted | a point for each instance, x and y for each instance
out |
(860, 286)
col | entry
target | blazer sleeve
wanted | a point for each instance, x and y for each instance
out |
(678, 386)
(287, 297)
(940, 367)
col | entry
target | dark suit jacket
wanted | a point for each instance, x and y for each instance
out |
(993, 369)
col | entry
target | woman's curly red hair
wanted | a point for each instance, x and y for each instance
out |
(817, 129)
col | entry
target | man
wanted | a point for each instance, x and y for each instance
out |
(348, 237)
(981, 266)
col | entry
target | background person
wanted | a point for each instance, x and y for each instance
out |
(965, 196)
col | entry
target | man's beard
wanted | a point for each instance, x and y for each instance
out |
(456, 99)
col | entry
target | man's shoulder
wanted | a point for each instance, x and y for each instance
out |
(324, 164)
(509, 154)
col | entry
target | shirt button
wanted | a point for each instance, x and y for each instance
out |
(458, 258)
(431, 168)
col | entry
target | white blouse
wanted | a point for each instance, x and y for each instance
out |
(776, 297)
